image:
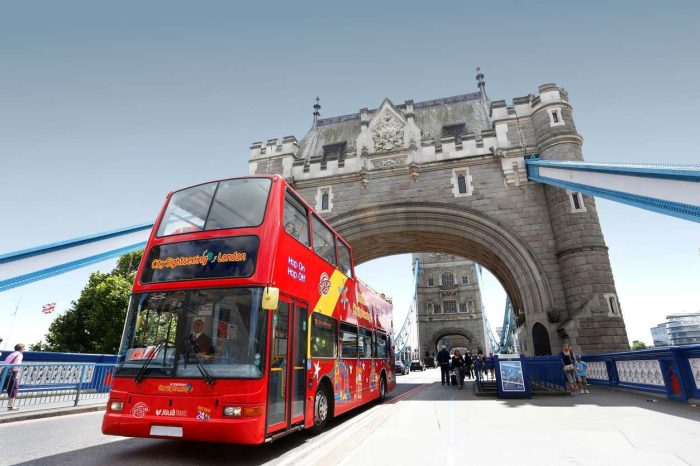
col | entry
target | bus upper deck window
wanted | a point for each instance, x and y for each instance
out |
(344, 261)
(296, 220)
(324, 241)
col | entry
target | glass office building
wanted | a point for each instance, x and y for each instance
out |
(679, 329)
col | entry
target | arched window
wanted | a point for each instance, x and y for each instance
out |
(431, 281)
(324, 200)
(448, 278)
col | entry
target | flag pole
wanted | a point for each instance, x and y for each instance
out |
(12, 322)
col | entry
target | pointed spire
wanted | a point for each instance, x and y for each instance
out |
(317, 113)
(481, 83)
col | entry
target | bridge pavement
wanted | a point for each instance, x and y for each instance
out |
(423, 423)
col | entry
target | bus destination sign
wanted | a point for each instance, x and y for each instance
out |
(207, 258)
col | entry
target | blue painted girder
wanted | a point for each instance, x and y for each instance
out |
(668, 189)
(30, 265)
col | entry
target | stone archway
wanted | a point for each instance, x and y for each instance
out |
(400, 228)
(438, 336)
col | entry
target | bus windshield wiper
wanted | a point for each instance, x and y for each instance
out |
(207, 376)
(142, 371)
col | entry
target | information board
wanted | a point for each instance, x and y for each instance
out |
(511, 377)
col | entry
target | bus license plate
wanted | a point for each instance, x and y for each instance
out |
(166, 431)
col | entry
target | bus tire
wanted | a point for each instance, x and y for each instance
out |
(382, 388)
(322, 409)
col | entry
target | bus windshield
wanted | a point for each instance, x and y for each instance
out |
(232, 203)
(168, 334)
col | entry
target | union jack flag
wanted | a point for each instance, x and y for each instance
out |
(48, 308)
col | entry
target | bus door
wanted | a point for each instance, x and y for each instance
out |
(287, 377)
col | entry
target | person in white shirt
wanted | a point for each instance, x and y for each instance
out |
(12, 378)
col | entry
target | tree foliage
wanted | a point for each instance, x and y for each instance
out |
(94, 322)
(637, 345)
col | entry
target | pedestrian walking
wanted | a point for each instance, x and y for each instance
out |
(491, 366)
(567, 359)
(458, 366)
(11, 385)
(481, 364)
(468, 365)
(581, 368)
(443, 359)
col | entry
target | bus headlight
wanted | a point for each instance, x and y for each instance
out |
(116, 406)
(232, 411)
(238, 411)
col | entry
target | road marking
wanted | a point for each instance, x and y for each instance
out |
(327, 442)
(451, 444)
(334, 442)
(407, 394)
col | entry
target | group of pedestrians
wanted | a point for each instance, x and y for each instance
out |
(463, 366)
(575, 369)
(460, 367)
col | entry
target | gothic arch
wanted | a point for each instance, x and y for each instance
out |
(540, 340)
(444, 332)
(400, 228)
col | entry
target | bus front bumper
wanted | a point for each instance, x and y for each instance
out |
(244, 430)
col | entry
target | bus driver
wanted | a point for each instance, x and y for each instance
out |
(200, 340)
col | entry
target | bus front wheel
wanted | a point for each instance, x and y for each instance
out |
(382, 388)
(322, 410)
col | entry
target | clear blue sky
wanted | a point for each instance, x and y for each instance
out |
(105, 107)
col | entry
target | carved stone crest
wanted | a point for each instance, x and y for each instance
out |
(388, 133)
(389, 162)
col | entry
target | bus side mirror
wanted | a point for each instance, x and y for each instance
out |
(270, 298)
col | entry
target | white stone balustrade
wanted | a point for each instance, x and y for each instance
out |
(645, 372)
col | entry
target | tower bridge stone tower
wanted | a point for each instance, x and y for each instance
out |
(448, 176)
(448, 304)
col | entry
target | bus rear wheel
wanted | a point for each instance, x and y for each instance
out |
(322, 410)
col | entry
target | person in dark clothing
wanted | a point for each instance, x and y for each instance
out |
(201, 342)
(491, 366)
(468, 365)
(443, 359)
(458, 366)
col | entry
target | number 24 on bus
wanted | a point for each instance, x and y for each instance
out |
(246, 321)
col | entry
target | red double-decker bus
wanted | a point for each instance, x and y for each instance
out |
(246, 321)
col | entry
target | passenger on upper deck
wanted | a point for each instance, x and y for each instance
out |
(291, 229)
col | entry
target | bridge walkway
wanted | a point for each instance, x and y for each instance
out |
(421, 423)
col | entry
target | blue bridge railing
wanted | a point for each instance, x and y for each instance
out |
(672, 371)
(53, 383)
(545, 373)
(52, 379)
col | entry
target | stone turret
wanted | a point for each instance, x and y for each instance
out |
(592, 320)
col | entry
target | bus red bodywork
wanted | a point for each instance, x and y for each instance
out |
(296, 367)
